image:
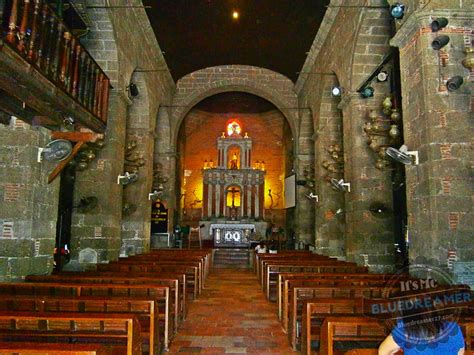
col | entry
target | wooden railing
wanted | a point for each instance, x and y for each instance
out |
(42, 39)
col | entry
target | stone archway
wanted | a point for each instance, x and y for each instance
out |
(265, 83)
(207, 82)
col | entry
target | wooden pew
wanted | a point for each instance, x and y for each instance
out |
(349, 330)
(284, 276)
(145, 310)
(272, 270)
(207, 254)
(266, 273)
(300, 294)
(80, 278)
(91, 327)
(162, 256)
(191, 273)
(154, 292)
(181, 277)
(169, 263)
(316, 282)
(314, 312)
(28, 348)
(258, 257)
(276, 258)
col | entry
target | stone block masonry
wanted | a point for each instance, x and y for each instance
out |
(28, 210)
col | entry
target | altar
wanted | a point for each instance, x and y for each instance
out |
(231, 234)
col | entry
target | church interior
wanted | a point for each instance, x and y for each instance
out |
(147, 147)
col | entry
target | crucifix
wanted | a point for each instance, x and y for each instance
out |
(233, 191)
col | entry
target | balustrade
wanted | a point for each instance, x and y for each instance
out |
(42, 39)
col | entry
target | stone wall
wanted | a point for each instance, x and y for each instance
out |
(108, 230)
(29, 210)
(437, 125)
(357, 43)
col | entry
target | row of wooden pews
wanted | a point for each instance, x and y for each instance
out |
(131, 306)
(324, 305)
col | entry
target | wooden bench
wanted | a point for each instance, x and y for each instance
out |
(257, 257)
(314, 312)
(316, 282)
(79, 278)
(349, 330)
(181, 277)
(207, 254)
(300, 294)
(284, 276)
(275, 258)
(28, 348)
(154, 292)
(191, 273)
(160, 256)
(272, 270)
(199, 279)
(145, 310)
(107, 328)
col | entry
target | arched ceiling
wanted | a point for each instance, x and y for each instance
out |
(273, 34)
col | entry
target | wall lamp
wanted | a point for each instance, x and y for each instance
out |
(367, 91)
(439, 23)
(454, 83)
(439, 42)
(336, 91)
(397, 11)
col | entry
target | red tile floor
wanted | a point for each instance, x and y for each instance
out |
(231, 316)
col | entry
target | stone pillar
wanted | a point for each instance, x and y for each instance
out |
(304, 214)
(96, 236)
(437, 125)
(369, 240)
(136, 227)
(29, 204)
(165, 158)
(330, 210)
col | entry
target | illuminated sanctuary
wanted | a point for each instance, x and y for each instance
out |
(233, 192)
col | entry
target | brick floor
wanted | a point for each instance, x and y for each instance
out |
(232, 316)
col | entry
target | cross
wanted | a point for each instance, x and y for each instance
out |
(233, 191)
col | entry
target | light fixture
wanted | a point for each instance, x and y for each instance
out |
(336, 91)
(439, 23)
(132, 90)
(397, 11)
(382, 76)
(439, 42)
(454, 83)
(367, 91)
(235, 15)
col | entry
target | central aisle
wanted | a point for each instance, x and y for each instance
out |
(232, 316)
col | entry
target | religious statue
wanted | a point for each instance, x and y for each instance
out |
(233, 161)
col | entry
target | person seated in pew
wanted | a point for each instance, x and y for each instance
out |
(273, 248)
(261, 248)
(422, 328)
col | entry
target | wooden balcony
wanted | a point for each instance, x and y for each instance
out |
(45, 73)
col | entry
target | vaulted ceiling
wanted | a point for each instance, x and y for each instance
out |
(274, 34)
